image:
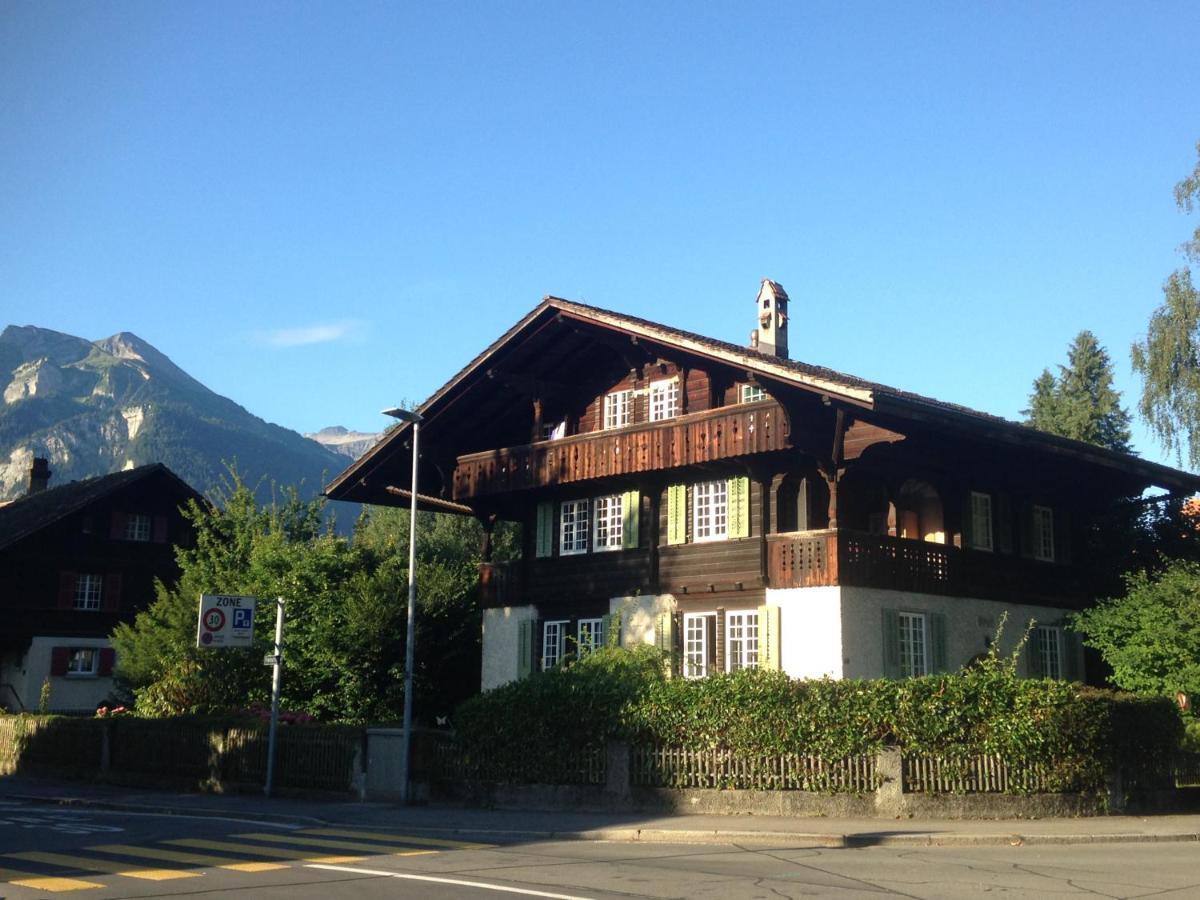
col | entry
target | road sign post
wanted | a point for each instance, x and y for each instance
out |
(276, 685)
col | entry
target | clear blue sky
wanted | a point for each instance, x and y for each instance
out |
(321, 209)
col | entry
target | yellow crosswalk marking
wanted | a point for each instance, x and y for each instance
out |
(271, 852)
(179, 856)
(46, 882)
(332, 845)
(396, 838)
(90, 864)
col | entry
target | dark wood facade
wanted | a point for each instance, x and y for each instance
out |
(849, 483)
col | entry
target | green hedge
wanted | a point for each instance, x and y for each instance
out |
(1074, 732)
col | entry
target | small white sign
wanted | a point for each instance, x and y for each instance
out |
(226, 620)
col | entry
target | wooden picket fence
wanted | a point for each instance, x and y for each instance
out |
(678, 767)
(983, 774)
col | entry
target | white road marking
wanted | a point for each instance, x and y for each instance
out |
(481, 885)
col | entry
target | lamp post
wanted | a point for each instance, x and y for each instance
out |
(414, 419)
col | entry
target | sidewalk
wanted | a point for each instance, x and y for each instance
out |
(515, 827)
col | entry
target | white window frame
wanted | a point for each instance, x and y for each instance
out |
(913, 644)
(75, 662)
(1043, 533)
(664, 399)
(618, 409)
(695, 644)
(89, 590)
(741, 640)
(1050, 650)
(553, 431)
(573, 527)
(554, 640)
(138, 527)
(589, 635)
(751, 393)
(710, 511)
(981, 522)
(608, 520)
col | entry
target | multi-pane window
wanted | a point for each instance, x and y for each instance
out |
(741, 640)
(137, 527)
(608, 523)
(1048, 647)
(664, 399)
(83, 661)
(618, 409)
(913, 645)
(87, 591)
(710, 511)
(752, 392)
(590, 635)
(554, 636)
(573, 527)
(696, 644)
(981, 521)
(1043, 533)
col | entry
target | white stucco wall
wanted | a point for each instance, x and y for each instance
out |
(501, 642)
(68, 693)
(810, 631)
(639, 616)
(970, 626)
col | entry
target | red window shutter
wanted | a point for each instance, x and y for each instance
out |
(108, 656)
(66, 590)
(160, 530)
(60, 658)
(110, 600)
(117, 532)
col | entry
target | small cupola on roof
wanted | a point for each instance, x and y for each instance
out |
(771, 334)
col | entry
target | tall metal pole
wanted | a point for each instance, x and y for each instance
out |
(410, 633)
(276, 685)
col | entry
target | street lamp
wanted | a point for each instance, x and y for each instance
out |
(414, 419)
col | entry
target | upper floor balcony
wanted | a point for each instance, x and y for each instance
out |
(699, 437)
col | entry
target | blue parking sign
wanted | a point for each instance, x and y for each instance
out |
(243, 618)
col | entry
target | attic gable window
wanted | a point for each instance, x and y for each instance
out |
(137, 527)
(664, 399)
(87, 591)
(618, 409)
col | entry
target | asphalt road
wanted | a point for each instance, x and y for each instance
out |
(52, 851)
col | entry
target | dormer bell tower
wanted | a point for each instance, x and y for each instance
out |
(771, 306)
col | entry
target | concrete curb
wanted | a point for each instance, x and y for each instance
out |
(778, 839)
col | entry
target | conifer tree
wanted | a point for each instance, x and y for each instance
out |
(1081, 403)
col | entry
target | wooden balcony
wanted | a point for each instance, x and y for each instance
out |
(686, 440)
(819, 558)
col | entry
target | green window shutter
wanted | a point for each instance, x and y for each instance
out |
(937, 641)
(664, 640)
(1037, 662)
(1003, 515)
(968, 521)
(1027, 534)
(891, 644)
(1072, 648)
(545, 530)
(631, 516)
(768, 638)
(677, 514)
(612, 630)
(739, 507)
(524, 648)
(1062, 536)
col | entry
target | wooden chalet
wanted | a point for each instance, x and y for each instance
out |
(74, 561)
(744, 509)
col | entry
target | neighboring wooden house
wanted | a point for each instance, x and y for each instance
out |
(743, 509)
(74, 561)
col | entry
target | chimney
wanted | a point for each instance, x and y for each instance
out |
(39, 476)
(771, 335)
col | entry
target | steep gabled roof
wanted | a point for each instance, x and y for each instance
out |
(27, 515)
(850, 389)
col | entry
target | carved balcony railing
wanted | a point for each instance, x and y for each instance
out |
(819, 558)
(686, 440)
